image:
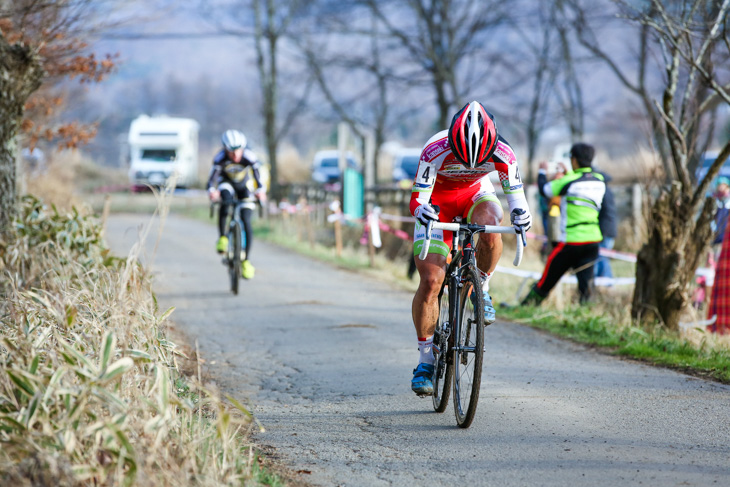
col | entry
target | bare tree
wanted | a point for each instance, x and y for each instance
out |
(552, 94)
(272, 20)
(538, 36)
(690, 40)
(590, 26)
(443, 37)
(570, 92)
(329, 50)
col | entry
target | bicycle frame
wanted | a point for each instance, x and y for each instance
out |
(236, 205)
(463, 255)
(237, 244)
(462, 280)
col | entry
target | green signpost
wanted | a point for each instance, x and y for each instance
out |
(353, 194)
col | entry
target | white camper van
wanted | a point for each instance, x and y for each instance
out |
(161, 146)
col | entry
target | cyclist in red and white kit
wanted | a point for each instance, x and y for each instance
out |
(453, 181)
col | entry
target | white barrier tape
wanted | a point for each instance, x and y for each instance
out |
(707, 273)
(342, 217)
(614, 254)
(397, 218)
(296, 207)
(568, 278)
(688, 325)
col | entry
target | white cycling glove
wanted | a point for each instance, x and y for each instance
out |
(426, 212)
(521, 219)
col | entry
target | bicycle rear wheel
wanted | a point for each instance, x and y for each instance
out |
(234, 255)
(468, 349)
(443, 373)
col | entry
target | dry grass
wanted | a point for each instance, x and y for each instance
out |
(642, 165)
(67, 174)
(292, 168)
(91, 392)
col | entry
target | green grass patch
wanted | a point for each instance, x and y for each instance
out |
(656, 346)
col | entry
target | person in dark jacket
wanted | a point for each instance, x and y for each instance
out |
(609, 228)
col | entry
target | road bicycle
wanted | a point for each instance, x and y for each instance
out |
(236, 251)
(458, 340)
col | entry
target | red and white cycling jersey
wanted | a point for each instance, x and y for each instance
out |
(439, 170)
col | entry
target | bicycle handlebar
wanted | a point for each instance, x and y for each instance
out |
(456, 227)
(233, 203)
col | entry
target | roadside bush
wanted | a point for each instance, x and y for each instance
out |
(90, 391)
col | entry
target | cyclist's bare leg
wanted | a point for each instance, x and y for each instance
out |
(425, 303)
(489, 247)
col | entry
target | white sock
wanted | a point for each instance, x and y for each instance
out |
(485, 280)
(424, 349)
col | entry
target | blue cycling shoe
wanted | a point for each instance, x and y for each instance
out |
(421, 383)
(489, 314)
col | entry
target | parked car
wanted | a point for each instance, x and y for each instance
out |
(405, 164)
(325, 166)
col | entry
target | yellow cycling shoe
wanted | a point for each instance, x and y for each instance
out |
(222, 244)
(247, 270)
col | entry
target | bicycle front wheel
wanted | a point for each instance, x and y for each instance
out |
(468, 349)
(234, 255)
(443, 373)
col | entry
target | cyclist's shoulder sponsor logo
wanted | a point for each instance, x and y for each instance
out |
(505, 184)
(421, 185)
(436, 149)
(504, 153)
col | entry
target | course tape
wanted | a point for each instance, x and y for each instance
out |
(567, 278)
(374, 220)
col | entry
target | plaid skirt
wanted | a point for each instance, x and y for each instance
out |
(720, 297)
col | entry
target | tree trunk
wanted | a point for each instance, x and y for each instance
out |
(666, 263)
(20, 75)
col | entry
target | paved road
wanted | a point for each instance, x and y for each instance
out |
(325, 355)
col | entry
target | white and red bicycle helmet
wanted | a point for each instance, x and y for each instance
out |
(473, 135)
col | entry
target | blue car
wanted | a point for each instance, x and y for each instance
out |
(325, 167)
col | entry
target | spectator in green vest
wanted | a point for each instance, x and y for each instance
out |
(582, 192)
